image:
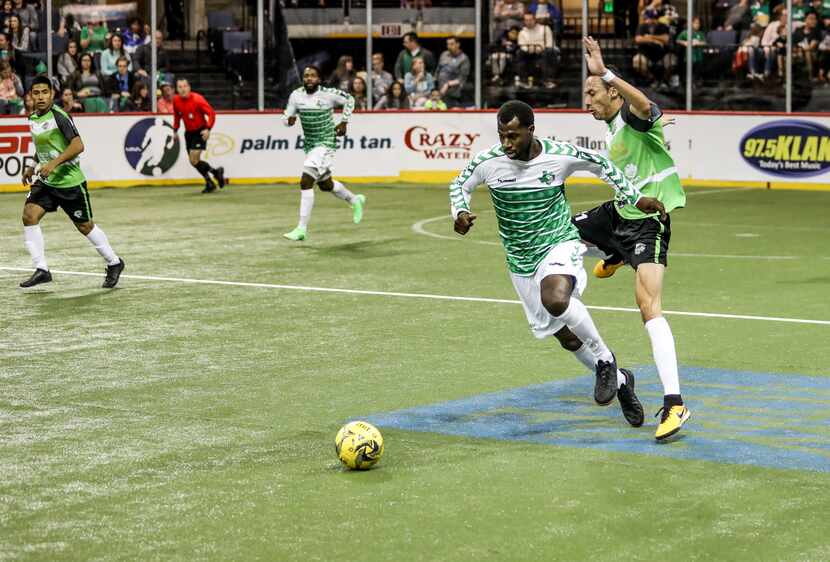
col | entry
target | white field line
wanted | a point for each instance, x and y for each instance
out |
(419, 296)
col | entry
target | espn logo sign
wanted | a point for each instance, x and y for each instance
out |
(16, 149)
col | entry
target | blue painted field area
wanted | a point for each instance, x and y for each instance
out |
(771, 420)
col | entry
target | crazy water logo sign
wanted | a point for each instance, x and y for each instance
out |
(16, 149)
(789, 148)
(151, 146)
(441, 145)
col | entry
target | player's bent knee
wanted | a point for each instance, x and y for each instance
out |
(556, 301)
(85, 227)
(568, 341)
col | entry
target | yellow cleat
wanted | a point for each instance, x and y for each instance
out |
(604, 270)
(671, 421)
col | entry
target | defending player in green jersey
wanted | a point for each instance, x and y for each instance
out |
(57, 182)
(526, 176)
(315, 104)
(626, 234)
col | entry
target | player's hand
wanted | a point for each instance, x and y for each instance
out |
(205, 134)
(464, 222)
(291, 120)
(340, 129)
(28, 173)
(47, 168)
(651, 205)
(593, 56)
(666, 121)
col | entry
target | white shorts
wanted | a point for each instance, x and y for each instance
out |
(563, 259)
(317, 163)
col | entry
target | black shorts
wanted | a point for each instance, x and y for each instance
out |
(73, 200)
(193, 140)
(636, 240)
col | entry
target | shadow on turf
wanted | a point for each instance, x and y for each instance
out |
(362, 249)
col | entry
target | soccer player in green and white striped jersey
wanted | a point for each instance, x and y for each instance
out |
(58, 182)
(627, 234)
(526, 176)
(315, 106)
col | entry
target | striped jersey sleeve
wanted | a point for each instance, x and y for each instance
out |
(578, 159)
(345, 99)
(461, 188)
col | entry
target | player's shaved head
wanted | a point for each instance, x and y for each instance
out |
(515, 109)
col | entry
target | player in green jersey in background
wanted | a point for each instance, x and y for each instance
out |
(58, 182)
(627, 234)
(315, 106)
(526, 176)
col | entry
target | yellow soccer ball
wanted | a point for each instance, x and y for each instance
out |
(359, 445)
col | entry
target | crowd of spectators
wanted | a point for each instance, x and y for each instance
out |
(525, 51)
(418, 80)
(98, 68)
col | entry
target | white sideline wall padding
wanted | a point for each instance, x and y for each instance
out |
(123, 150)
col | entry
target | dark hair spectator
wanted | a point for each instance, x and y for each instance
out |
(395, 98)
(114, 51)
(19, 35)
(435, 103)
(411, 50)
(140, 98)
(134, 37)
(343, 74)
(6, 11)
(28, 15)
(68, 62)
(68, 102)
(806, 38)
(503, 54)
(87, 82)
(358, 91)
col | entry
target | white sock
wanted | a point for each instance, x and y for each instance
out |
(578, 320)
(585, 356)
(99, 239)
(306, 204)
(33, 240)
(341, 192)
(620, 378)
(665, 357)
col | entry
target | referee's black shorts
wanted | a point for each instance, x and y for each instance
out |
(193, 140)
(636, 240)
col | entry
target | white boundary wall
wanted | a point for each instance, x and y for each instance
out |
(419, 146)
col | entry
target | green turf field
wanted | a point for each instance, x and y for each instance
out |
(176, 420)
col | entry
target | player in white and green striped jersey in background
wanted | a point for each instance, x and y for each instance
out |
(315, 106)
(526, 176)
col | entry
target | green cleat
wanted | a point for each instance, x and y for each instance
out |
(297, 234)
(357, 208)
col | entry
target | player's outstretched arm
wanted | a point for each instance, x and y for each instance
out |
(461, 192)
(638, 102)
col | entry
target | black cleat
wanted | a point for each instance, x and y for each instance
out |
(38, 277)
(219, 174)
(606, 387)
(113, 274)
(210, 187)
(630, 404)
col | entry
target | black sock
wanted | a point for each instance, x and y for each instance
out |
(204, 169)
(670, 400)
